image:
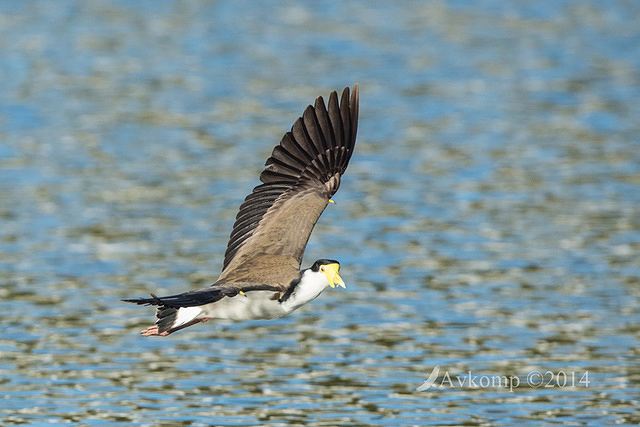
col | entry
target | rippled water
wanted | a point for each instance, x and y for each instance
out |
(488, 225)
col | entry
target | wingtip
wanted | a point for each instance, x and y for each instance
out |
(355, 104)
(347, 92)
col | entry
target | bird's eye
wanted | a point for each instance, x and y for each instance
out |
(322, 268)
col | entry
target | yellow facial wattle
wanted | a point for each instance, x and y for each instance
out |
(331, 272)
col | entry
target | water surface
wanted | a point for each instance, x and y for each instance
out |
(489, 223)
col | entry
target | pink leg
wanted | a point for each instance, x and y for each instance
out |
(153, 330)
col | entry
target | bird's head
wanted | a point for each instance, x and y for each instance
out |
(330, 268)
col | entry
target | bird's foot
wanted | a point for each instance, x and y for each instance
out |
(151, 331)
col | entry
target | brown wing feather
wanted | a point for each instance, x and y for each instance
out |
(303, 172)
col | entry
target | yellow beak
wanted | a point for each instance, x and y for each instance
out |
(331, 271)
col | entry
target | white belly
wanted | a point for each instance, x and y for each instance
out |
(253, 305)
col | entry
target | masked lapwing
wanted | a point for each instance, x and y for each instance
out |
(261, 276)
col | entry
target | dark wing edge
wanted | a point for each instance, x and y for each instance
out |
(202, 296)
(186, 299)
(315, 153)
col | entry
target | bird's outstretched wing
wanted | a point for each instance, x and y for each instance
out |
(303, 172)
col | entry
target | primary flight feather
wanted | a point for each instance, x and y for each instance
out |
(261, 276)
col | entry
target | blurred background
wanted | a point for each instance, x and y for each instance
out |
(489, 221)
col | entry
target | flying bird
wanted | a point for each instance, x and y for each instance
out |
(261, 276)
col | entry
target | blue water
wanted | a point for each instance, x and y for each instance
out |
(488, 224)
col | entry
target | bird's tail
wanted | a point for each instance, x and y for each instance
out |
(170, 318)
